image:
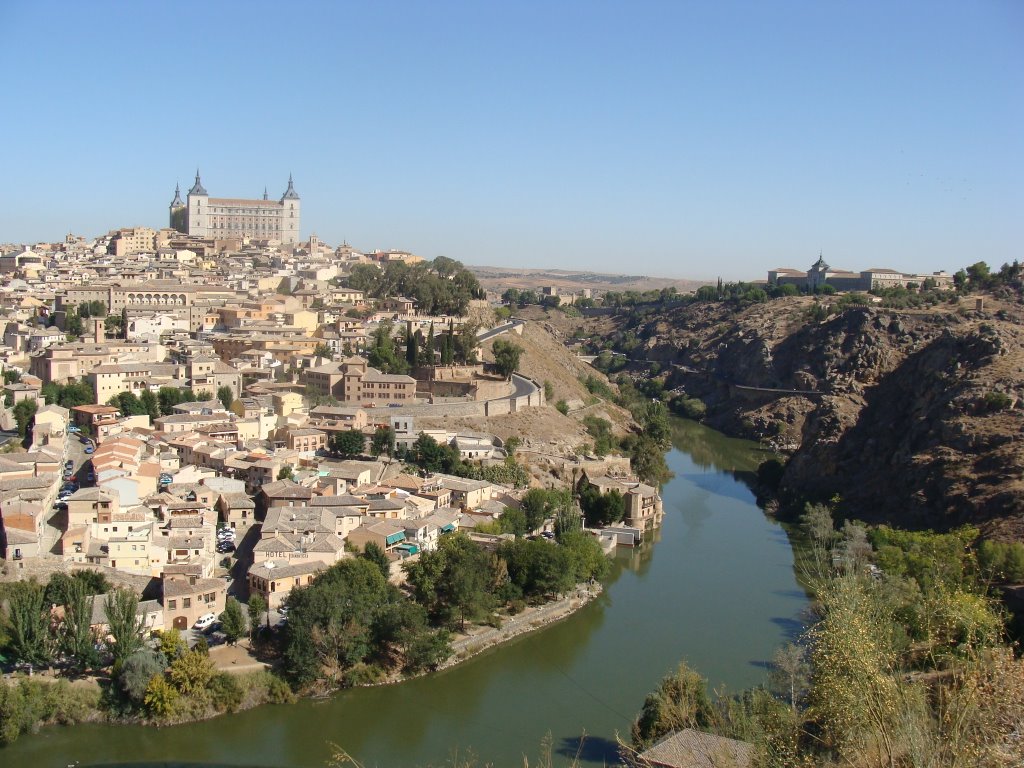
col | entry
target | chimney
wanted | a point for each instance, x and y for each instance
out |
(97, 330)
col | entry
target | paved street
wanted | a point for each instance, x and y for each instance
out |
(57, 520)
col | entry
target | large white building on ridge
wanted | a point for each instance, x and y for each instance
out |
(222, 218)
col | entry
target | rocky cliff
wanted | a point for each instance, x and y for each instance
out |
(911, 417)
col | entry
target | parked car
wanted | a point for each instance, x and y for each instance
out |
(73, 429)
(205, 621)
(166, 479)
(69, 464)
(224, 547)
(89, 449)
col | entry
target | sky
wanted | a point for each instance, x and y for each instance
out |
(675, 139)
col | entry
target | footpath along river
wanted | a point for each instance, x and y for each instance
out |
(715, 587)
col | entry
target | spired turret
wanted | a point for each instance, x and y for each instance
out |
(290, 193)
(290, 229)
(178, 218)
(197, 188)
(197, 213)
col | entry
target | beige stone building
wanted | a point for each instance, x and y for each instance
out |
(187, 596)
(353, 381)
(225, 218)
(128, 241)
(274, 579)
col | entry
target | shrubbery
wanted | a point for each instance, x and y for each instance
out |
(27, 704)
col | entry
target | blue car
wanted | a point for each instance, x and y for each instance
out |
(89, 449)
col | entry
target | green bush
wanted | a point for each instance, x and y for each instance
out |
(688, 407)
(362, 674)
(562, 407)
(29, 704)
(136, 672)
(996, 401)
(225, 692)
(769, 473)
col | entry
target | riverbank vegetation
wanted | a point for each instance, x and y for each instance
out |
(646, 446)
(111, 671)
(350, 626)
(905, 662)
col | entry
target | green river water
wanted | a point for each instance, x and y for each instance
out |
(715, 587)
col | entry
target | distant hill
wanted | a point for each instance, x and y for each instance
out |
(500, 279)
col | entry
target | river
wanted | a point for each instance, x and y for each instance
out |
(716, 587)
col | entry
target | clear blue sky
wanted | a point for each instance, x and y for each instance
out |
(680, 139)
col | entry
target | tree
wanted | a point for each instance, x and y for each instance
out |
(330, 621)
(285, 473)
(349, 443)
(257, 607)
(383, 441)
(172, 396)
(412, 350)
(69, 395)
(539, 504)
(539, 568)
(506, 357)
(151, 405)
(136, 673)
(24, 413)
(680, 701)
(601, 509)
(979, 275)
(586, 558)
(226, 397)
(128, 403)
(790, 672)
(28, 623)
(465, 344)
(375, 555)
(73, 325)
(322, 350)
(126, 625)
(192, 671)
(513, 520)
(172, 645)
(464, 590)
(76, 639)
(161, 697)
(61, 585)
(232, 622)
(124, 322)
(428, 348)
(428, 453)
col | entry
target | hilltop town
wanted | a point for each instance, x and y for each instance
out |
(216, 408)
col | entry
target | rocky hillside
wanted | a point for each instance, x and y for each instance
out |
(910, 416)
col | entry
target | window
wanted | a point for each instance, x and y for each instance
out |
(186, 602)
(172, 605)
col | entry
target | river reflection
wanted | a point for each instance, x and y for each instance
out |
(715, 587)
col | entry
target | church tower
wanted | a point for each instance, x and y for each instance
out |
(179, 215)
(290, 224)
(198, 210)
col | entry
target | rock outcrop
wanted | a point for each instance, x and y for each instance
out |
(909, 417)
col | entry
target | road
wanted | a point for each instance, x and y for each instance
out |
(57, 521)
(498, 330)
(523, 386)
